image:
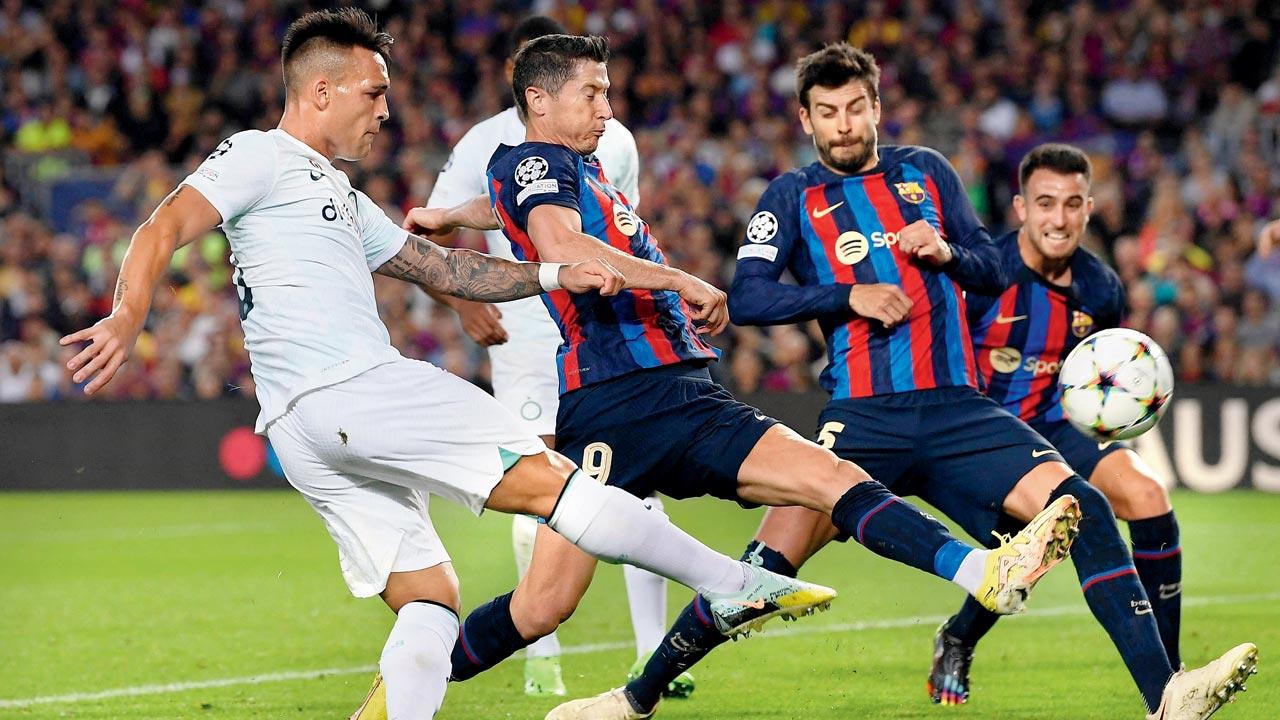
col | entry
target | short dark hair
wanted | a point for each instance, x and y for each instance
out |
(834, 66)
(549, 61)
(344, 28)
(532, 28)
(1059, 157)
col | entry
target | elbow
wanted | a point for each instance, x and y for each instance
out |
(742, 311)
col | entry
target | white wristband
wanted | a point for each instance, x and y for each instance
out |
(549, 276)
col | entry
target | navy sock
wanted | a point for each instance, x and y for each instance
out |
(487, 637)
(1111, 589)
(1157, 555)
(971, 623)
(693, 636)
(885, 524)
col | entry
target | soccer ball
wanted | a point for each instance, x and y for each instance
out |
(1116, 384)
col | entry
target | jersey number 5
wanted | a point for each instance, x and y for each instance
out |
(827, 435)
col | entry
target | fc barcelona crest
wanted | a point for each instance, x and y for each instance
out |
(1081, 323)
(910, 191)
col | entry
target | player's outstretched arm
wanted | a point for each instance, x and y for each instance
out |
(182, 217)
(472, 275)
(556, 232)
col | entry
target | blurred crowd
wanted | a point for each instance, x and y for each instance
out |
(1178, 104)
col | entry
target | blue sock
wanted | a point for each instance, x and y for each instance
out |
(1112, 591)
(1157, 555)
(693, 636)
(885, 524)
(487, 637)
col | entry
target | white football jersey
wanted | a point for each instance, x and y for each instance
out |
(304, 244)
(463, 177)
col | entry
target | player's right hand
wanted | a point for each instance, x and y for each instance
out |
(111, 340)
(427, 221)
(709, 304)
(481, 321)
(594, 274)
(881, 301)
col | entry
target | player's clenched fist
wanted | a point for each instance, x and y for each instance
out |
(593, 274)
(921, 240)
(426, 221)
(881, 301)
(709, 304)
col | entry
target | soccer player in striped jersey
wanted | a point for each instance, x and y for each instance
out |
(638, 405)
(1058, 294)
(882, 240)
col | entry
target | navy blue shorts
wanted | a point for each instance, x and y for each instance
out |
(1081, 452)
(669, 429)
(953, 447)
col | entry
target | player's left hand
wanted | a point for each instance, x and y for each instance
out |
(593, 274)
(921, 240)
(427, 221)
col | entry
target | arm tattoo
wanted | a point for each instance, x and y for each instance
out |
(462, 273)
(121, 286)
(173, 196)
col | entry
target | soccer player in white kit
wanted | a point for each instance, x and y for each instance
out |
(522, 340)
(363, 433)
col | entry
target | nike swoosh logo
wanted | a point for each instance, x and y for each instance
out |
(754, 604)
(1040, 453)
(1002, 320)
(1105, 445)
(819, 214)
(1142, 611)
(1170, 591)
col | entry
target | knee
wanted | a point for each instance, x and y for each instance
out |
(1138, 498)
(1093, 504)
(836, 474)
(543, 617)
(539, 611)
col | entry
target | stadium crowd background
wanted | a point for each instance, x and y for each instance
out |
(108, 105)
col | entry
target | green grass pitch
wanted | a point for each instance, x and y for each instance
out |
(230, 605)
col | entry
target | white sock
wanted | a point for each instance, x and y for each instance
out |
(647, 597)
(972, 569)
(415, 661)
(524, 530)
(617, 527)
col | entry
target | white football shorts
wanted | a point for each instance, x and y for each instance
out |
(524, 374)
(369, 451)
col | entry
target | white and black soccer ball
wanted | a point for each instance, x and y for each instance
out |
(1116, 384)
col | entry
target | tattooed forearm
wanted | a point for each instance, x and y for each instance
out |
(462, 273)
(121, 286)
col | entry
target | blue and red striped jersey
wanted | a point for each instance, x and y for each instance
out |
(1022, 335)
(603, 337)
(833, 232)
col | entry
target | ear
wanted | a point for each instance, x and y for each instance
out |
(1020, 207)
(321, 93)
(805, 121)
(537, 100)
(1088, 207)
(875, 109)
